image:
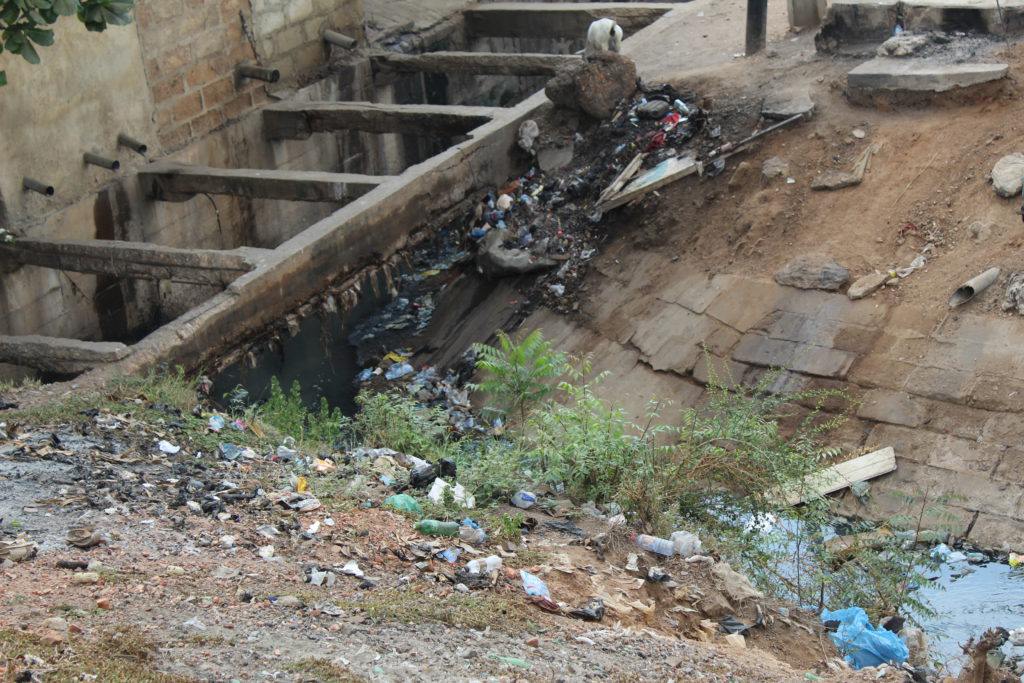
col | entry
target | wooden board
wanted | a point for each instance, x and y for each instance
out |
(840, 476)
(668, 171)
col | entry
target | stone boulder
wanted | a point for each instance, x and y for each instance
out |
(864, 286)
(1007, 175)
(496, 260)
(595, 86)
(782, 105)
(813, 271)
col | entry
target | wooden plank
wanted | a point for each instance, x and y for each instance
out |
(480, 63)
(133, 259)
(668, 171)
(299, 120)
(840, 476)
(175, 182)
(556, 19)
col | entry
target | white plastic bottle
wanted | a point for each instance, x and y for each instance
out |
(662, 546)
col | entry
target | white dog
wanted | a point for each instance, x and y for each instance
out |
(604, 35)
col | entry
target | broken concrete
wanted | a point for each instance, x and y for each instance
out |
(780, 106)
(834, 180)
(883, 73)
(55, 354)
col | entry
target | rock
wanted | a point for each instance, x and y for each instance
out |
(1014, 298)
(859, 133)
(194, 623)
(103, 603)
(49, 637)
(289, 602)
(978, 231)
(736, 640)
(782, 105)
(740, 176)
(86, 578)
(494, 260)
(917, 644)
(266, 551)
(653, 109)
(55, 624)
(892, 282)
(903, 45)
(869, 284)
(812, 271)
(1007, 175)
(775, 167)
(594, 87)
(555, 156)
(533, 642)
(834, 180)
(175, 570)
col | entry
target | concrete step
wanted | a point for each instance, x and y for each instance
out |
(921, 75)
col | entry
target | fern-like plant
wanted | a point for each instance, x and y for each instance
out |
(516, 373)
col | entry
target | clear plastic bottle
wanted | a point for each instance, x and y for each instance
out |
(436, 528)
(662, 546)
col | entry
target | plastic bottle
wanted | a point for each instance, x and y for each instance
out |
(433, 527)
(662, 546)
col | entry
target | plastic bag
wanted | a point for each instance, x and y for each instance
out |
(861, 644)
(533, 585)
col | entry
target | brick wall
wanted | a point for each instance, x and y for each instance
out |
(190, 49)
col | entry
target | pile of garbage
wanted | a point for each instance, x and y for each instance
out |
(548, 220)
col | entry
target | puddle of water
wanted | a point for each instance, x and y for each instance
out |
(992, 595)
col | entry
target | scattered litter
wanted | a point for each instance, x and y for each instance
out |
(18, 550)
(303, 501)
(84, 536)
(524, 500)
(458, 492)
(168, 447)
(514, 661)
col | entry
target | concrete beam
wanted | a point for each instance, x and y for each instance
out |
(481, 63)
(556, 19)
(175, 182)
(298, 120)
(135, 260)
(57, 354)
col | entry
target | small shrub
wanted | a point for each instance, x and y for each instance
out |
(517, 373)
(397, 421)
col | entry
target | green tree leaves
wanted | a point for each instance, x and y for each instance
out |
(23, 22)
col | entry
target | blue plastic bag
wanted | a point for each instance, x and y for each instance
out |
(861, 644)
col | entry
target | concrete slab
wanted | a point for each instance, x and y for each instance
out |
(921, 75)
(757, 349)
(745, 302)
(893, 407)
(941, 384)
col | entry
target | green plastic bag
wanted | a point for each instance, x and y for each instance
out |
(403, 501)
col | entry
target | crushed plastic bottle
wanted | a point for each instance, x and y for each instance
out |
(662, 546)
